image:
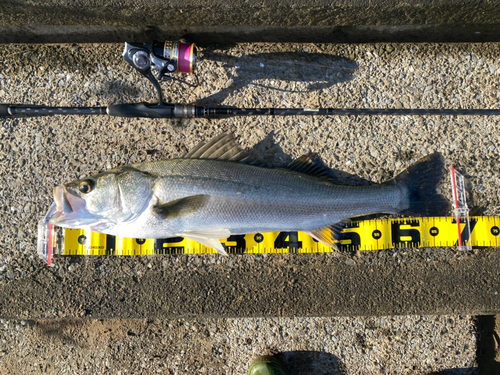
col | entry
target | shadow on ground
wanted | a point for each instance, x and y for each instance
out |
(455, 371)
(488, 348)
(312, 362)
(267, 70)
(268, 153)
(320, 363)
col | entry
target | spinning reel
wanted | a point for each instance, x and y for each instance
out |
(164, 59)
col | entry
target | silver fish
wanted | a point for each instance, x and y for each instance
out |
(214, 191)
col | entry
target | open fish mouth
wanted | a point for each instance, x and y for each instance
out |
(67, 209)
(62, 203)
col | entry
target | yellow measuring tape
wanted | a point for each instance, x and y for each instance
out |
(378, 234)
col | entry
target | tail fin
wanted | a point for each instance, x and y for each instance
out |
(422, 180)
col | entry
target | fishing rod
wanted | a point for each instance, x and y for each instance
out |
(167, 58)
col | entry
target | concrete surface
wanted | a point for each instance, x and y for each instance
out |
(387, 345)
(377, 284)
(38, 153)
(218, 21)
(241, 12)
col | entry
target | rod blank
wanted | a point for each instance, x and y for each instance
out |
(15, 110)
(163, 110)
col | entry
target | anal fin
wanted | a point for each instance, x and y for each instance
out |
(328, 236)
(209, 239)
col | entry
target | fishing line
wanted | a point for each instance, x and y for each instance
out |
(255, 57)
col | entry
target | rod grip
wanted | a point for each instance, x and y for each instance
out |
(141, 110)
(4, 110)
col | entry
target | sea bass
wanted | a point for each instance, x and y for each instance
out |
(216, 191)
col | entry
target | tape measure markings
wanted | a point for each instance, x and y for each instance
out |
(367, 235)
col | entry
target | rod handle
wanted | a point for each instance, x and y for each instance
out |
(141, 110)
(4, 110)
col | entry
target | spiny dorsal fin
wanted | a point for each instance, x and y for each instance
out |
(312, 165)
(221, 147)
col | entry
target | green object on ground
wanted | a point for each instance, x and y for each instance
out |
(267, 365)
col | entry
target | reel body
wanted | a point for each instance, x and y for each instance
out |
(164, 59)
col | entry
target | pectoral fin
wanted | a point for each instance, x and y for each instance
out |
(181, 207)
(210, 239)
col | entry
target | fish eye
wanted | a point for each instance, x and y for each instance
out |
(86, 186)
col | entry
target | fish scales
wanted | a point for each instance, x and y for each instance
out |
(244, 197)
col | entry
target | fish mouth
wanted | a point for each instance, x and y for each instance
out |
(63, 205)
(68, 210)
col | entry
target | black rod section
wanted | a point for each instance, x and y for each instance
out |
(164, 110)
(228, 111)
(15, 110)
(210, 112)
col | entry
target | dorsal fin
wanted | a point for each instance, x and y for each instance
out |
(312, 165)
(221, 147)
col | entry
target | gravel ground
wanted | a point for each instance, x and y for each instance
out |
(387, 345)
(38, 153)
